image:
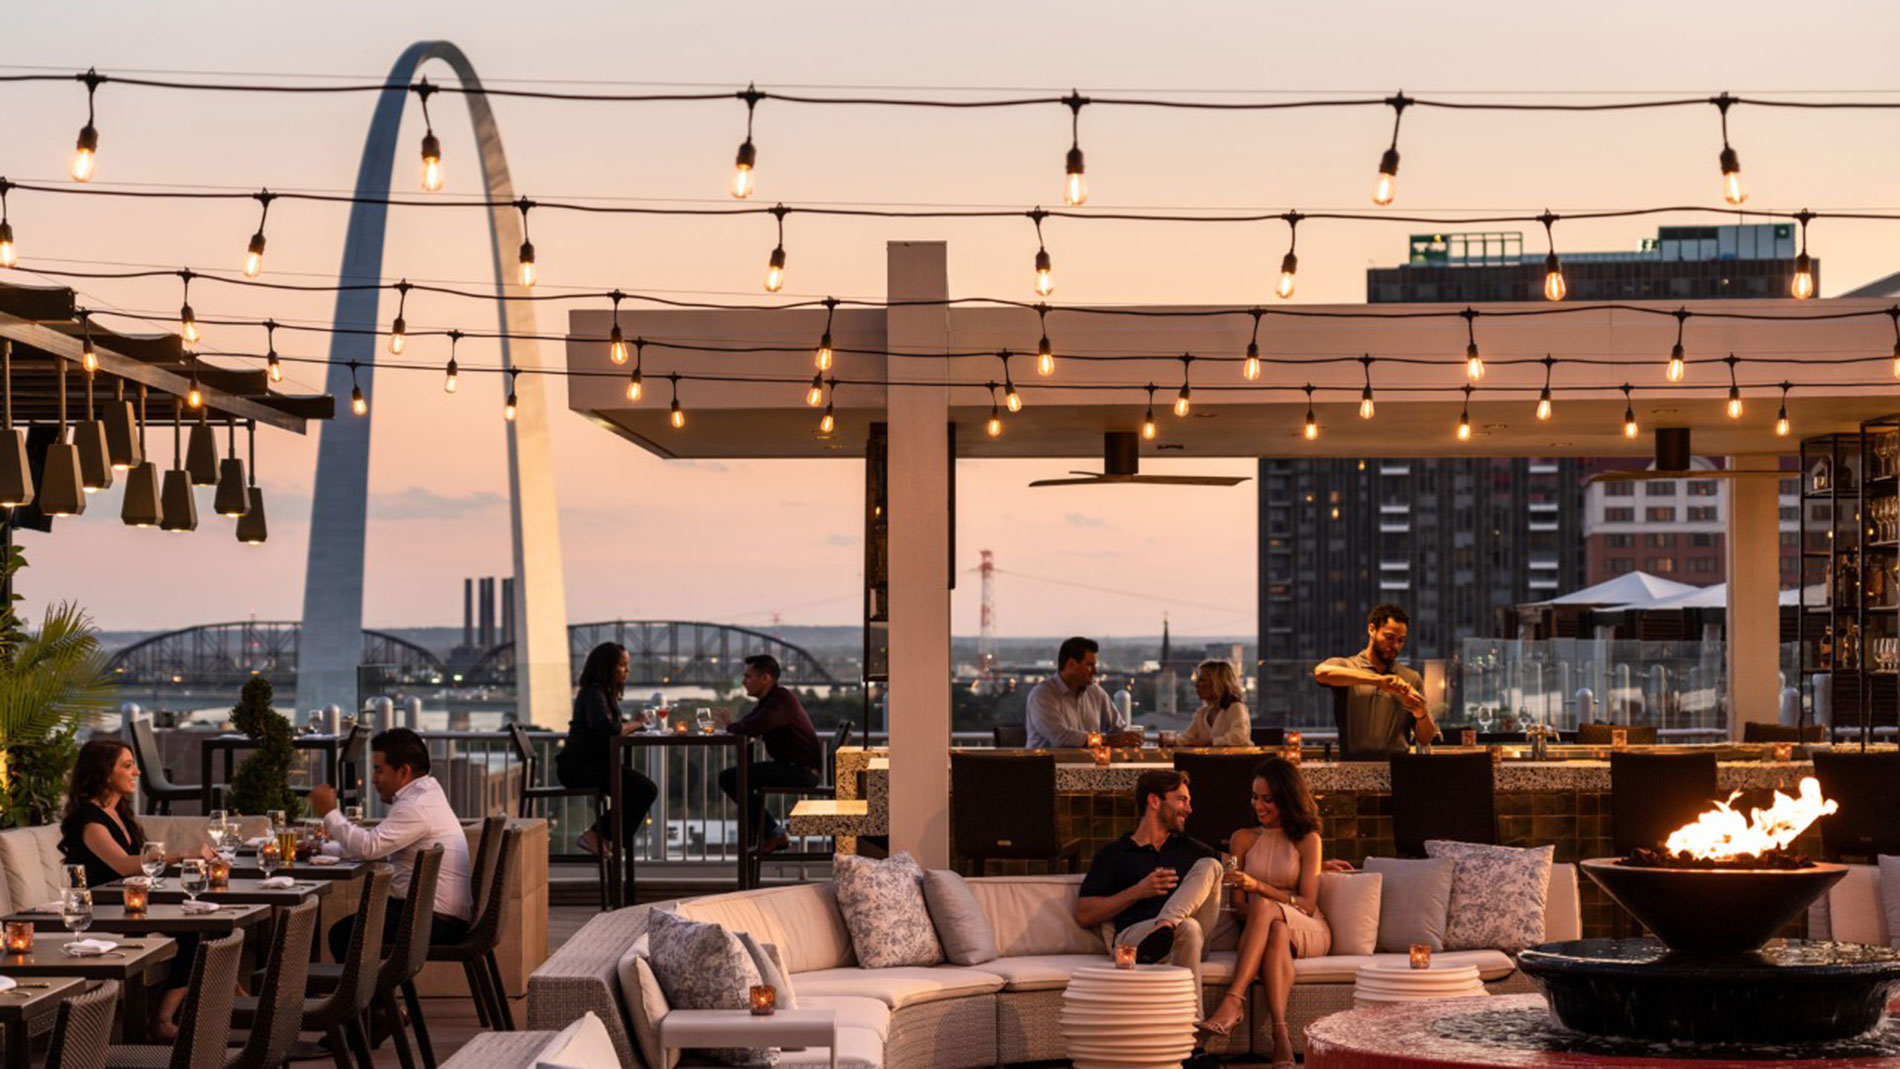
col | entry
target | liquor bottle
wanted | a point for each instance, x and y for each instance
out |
(1826, 661)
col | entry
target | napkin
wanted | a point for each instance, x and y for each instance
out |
(259, 840)
(45, 907)
(89, 948)
(6, 983)
(277, 883)
(324, 859)
(200, 906)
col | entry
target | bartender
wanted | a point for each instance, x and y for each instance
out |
(1377, 702)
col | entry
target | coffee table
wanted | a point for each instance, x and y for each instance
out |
(738, 1028)
(1139, 1018)
(1396, 981)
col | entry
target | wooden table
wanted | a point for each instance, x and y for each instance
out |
(21, 1008)
(240, 892)
(129, 964)
(620, 751)
(246, 869)
(160, 919)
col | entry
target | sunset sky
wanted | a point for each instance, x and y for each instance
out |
(743, 541)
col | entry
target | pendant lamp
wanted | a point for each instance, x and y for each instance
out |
(233, 497)
(95, 460)
(61, 491)
(180, 512)
(16, 479)
(141, 507)
(251, 528)
(201, 453)
(122, 433)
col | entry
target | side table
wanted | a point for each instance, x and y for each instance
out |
(1139, 1018)
(1396, 981)
(738, 1028)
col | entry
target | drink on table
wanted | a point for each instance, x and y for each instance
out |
(353, 814)
(287, 845)
(705, 718)
(152, 861)
(268, 857)
(193, 877)
(75, 909)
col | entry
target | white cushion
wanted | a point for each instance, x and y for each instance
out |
(1889, 867)
(961, 925)
(1852, 911)
(855, 1011)
(584, 1044)
(1563, 916)
(1040, 972)
(1497, 894)
(1344, 968)
(905, 985)
(1217, 968)
(1350, 903)
(858, 1048)
(1414, 898)
(883, 906)
(1034, 915)
(702, 966)
(645, 1003)
(802, 921)
(31, 860)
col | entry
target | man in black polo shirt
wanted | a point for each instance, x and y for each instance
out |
(1159, 887)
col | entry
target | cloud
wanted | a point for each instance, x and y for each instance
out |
(1077, 519)
(835, 539)
(417, 503)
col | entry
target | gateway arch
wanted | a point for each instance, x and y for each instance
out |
(332, 640)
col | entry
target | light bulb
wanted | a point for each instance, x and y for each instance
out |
(431, 163)
(1011, 399)
(1181, 402)
(1781, 422)
(88, 356)
(1543, 406)
(817, 392)
(1803, 286)
(1554, 287)
(357, 404)
(1474, 364)
(1250, 367)
(1312, 427)
(508, 408)
(1675, 364)
(994, 428)
(449, 377)
(633, 386)
(254, 256)
(9, 254)
(194, 397)
(1386, 186)
(1732, 190)
(775, 270)
(1148, 425)
(744, 180)
(617, 346)
(1075, 186)
(275, 367)
(1288, 267)
(527, 264)
(1045, 358)
(677, 416)
(821, 357)
(827, 422)
(1365, 404)
(1629, 423)
(1464, 427)
(187, 324)
(1045, 282)
(1734, 403)
(85, 154)
(396, 340)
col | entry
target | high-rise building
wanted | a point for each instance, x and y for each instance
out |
(1673, 527)
(1458, 542)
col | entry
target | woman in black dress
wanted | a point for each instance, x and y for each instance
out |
(99, 831)
(584, 761)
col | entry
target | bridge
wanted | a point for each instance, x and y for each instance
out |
(661, 652)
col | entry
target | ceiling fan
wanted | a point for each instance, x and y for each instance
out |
(1672, 462)
(1121, 463)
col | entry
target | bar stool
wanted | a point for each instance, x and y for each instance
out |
(1221, 785)
(1442, 796)
(1003, 805)
(1867, 785)
(825, 788)
(531, 792)
(1653, 794)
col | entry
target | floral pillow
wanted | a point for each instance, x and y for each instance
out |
(883, 907)
(705, 967)
(1498, 894)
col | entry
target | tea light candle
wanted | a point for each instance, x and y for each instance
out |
(679, 727)
(1095, 740)
(1125, 956)
(1292, 746)
(1468, 737)
(1421, 956)
(1497, 754)
(137, 896)
(1784, 751)
(764, 1000)
(19, 937)
(1619, 738)
(219, 872)
(1101, 755)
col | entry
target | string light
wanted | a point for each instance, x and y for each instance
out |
(187, 321)
(1181, 399)
(775, 265)
(1365, 395)
(634, 387)
(1075, 185)
(1045, 278)
(1803, 285)
(1734, 391)
(9, 254)
(1148, 429)
(1676, 366)
(616, 341)
(1289, 264)
(1781, 417)
(1250, 367)
(88, 355)
(86, 150)
(399, 329)
(254, 254)
(744, 176)
(449, 372)
(1385, 187)
(1464, 416)
(1543, 398)
(821, 356)
(358, 404)
(273, 366)
(194, 393)
(1312, 421)
(1045, 353)
(1629, 413)
(508, 407)
(1732, 190)
(1474, 363)
(1554, 286)
(675, 414)
(526, 256)
(1011, 399)
(431, 148)
(815, 394)
(994, 428)
(829, 421)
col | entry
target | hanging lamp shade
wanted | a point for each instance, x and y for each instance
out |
(61, 491)
(232, 498)
(201, 455)
(95, 459)
(251, 528)
(141, 507)
(180, 512)
(16, 479)
(122, 435)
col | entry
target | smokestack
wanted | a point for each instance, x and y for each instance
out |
(488, 612)
(507, 609)
(468, 613)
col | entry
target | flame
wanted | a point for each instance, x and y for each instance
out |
(1722, 833)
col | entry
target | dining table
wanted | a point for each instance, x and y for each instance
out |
(25, 1006)
(620, 750)
(128, 963)
(329, 745)
(160, 918)
(237, 892)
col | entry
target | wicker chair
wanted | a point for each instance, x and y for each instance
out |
(497, 880)
(407, 953)
(83, 1028)
(280, 996)
(1006, 809)
(155, 779)
(204, 1022)
(1221, 785)
(1442, 796)
(338, 1014)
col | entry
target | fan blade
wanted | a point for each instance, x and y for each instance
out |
(1069, 482)
(1190, 480)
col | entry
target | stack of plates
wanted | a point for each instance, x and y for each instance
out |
(1397, 981)
(1140, 1018)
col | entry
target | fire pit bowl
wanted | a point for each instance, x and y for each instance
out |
(1717, 911)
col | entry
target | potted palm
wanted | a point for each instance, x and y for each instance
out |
(51, 682)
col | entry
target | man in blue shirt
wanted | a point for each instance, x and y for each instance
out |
(1064, 709)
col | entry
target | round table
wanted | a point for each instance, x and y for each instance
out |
(1396, 981)
(1139, 1018)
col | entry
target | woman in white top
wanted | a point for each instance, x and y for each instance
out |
(1222, 718)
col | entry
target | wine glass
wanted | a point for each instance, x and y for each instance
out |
(152, 861)
(75, 909)
(75, 875)
(1484, 718)
(704, 718)
(193, 877)
(1229, 864)
(268, 855)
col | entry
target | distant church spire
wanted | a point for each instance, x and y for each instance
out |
(1165, 658)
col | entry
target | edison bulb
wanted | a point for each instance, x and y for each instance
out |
(677, 417)
(1045, 360)
(1075, 185)
(1554, 286)
(254, 256)
(1734, 406)
(194, 397)
(396, 340)
(1181, 403)
(1543, 408)
(85, 154)
(744, 180)
(1781, 424)
(508, 409)
(1675, 364)
(357, 403)
(527, 275)
(1045, 281)
(816, 394)
(633, 387)
(1474, 364)
(821, 357)
(775, 270)
(1365, 406)
(1312, 428)
(431, 163)
(9, 254)
(994, 428)
(617, 347)
(1387, 184)
(276, 368)
(1803, 285)
(828, 422)
(1012, 400)
(1148, 426)
(1464, 428)
(1288, 267)
(449, 379)
(1732, 189)
(1250, 367)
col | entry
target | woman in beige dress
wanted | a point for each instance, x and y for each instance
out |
(1276, 890)
(1222, 718)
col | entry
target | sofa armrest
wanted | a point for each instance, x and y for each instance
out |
(583, 975)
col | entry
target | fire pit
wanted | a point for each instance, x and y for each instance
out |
(1715, 894)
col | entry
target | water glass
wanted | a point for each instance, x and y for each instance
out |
(193, 877)
(75, 875)
(704, 718)
(75, 909)
(152, 862)
(268, 857)
(278, 819)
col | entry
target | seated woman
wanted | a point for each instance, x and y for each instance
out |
(1222, 718)
(1276, 890)
(585, 760)
(99, 831)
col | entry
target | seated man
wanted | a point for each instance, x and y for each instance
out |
(1161, 888)
(418, 817)
(791, 747)
(1064, 709)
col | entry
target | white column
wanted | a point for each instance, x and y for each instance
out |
(919, 557)
(1754, 589)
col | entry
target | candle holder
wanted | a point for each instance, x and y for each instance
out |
(679, 727)
(19, 937)
(1784, 752)
(764, 1000)
(1102, 755)
(1619, 738)
(1095, 740)
(137, 897)
(1125, 955)
(1420, 956)
(1468, 737)
(1497, 754)
(1292, 745)
(219, 872)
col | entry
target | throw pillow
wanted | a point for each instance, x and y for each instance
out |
(705, 967)
(645, 1004)
(771, 972)
(584, 1044)
(883, 906)
(1350, 903)
(1414, 896)
(1497, 894)
(1890, 896)
(961, 924)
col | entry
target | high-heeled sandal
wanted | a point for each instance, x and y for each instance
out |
(1280, 1032)
(1210, 1027)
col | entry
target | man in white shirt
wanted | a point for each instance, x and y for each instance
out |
(1064, 709)
(418, 818)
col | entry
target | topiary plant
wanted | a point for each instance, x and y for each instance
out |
(262, 782)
